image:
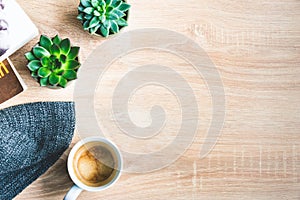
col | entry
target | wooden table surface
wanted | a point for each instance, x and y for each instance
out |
(255, 45)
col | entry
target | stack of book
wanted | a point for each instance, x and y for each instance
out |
(16, 29)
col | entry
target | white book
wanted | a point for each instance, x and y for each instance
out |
(16, 28)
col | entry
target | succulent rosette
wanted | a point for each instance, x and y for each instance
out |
(103, 17)
(53, 61)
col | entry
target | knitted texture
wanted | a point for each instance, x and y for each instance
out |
(32, 138)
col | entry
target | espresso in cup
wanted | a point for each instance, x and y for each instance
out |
(94, 165)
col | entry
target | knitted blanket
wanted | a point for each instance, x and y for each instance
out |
(32, 138)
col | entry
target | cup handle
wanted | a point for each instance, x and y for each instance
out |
(73, 193)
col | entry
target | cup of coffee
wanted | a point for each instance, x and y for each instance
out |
(94, 164)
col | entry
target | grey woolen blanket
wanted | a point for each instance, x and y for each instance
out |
(32, 138)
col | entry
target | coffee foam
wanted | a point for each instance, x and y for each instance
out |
(94, 164)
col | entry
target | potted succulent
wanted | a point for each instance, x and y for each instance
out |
(53, 62)
(103, 17)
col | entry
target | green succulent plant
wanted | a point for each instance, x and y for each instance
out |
(53, 62)
(103, 17)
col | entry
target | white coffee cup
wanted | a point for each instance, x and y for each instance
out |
(79, 186)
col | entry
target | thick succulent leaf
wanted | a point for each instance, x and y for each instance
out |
(73, 53)
(95, 3)
(54, 79)
(113, 16)
(80, 16)
(109, 9)
(95, 29)
(85, 3)
(117, 3)
(56, 40)
(52, 58)
(44, 82)
(34, 74)
(45, 61)
(71, 64)
(45, 42)
(63, 58)
(55, 50)
(44, 72)
(86, 25)
(65, 46)
(40, 52)
(94, 22)
(29, 56)
(88, 17)
(70, 74)
(63, 82)
(34, 65)
(80, 8)
(108, 2)
(104, 31)
(103, 3)
(122, 22)
(102, 18)
(124, 7)
(114, 27)
(119, 13)
(96, 13)
(89, 10)
(107, 24)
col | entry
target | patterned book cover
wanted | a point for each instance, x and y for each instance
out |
(11, 83)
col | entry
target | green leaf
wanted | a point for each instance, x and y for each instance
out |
(80, 8)
(56, 40)
(55, 50)
(71, 64)
(102, 18)
(34, 74)
(103, 3)
(63, 58)
(107, 24)
(95, 3)
(89, 10)
(65, 46)
(45, 42)
(117, 4)
(63, 82)
(80, 16)
(44, 82)
(94, 29)
(40, 52)
(119, 13)
(86, 25)
(73, 53)
(94, 22)
(104, 31)
(85, 3)
(34, 65)
(88, 17)
(44, 72)
(108, 2)
(113, 16)
(29, 56)
(114, 27)
(70, 74)
(45, 61)
(122, 22)
(96, 13)
(124, 7)
(54, 79)
(109, 9)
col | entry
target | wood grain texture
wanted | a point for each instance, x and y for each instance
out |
(256, 47)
